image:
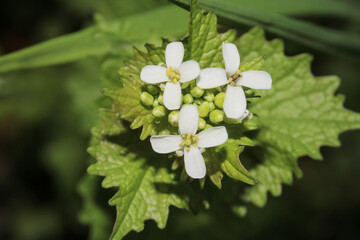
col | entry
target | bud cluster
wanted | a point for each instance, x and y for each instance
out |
(209, 103)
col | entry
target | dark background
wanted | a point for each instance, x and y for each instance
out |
(43, 148)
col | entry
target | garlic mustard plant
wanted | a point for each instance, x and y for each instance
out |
(190, 142)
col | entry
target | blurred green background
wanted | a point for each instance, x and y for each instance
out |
(46, 114)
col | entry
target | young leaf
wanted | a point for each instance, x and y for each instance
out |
(226, 158)
(296, 117)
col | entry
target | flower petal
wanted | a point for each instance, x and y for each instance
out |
(211, 78)
(255, 80)
(212, 137)
(172, 96)
(188, 119)
(153, 74)
(194, 163)
(231, 58)
(174, 54)
(189, 70)
(235, 102)
(166, 143)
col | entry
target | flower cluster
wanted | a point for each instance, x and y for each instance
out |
(216, 95)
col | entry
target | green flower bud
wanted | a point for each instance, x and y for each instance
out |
(212, 106)
(219, 99)
(208, 126)
(204, 109)
(216, 116)
(152, 89)
(197, 92)
(202, 124)
(156, 103)
(173, 118)
(159, 111)
(161, 99)
(209, 96)
(188, 99)
(146, 99)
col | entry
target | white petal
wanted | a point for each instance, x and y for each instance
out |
(188, 119)
(194, 163)
(231, 58)
(255, 80)
(212, 137)
(153, 74)
(174, 54)
(235, 102)
(211, 78)
(189, 70)
(172, 96)
(166, 143)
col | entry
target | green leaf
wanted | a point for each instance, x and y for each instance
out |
(100, 39)
(317, 8)
(311, 35)
(144, 180)
(296, 117)
(62, 49)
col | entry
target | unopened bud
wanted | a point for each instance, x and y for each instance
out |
(173, 118)
(159, 111)
(204, 109)
(216, 116)
(208, 126)
(202, 124)
(161, 99)
(156, 103)
(152, 89)
(188, 99)
(146, 99)
(219, 99)
(197, 92)
(209, 96)
(212, 106)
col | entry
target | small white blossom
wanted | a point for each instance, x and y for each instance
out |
(189, 142)
(235, 100)
(175, 72)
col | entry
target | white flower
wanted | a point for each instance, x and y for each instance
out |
(175, 72)
(235, 100)
(189, 141)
